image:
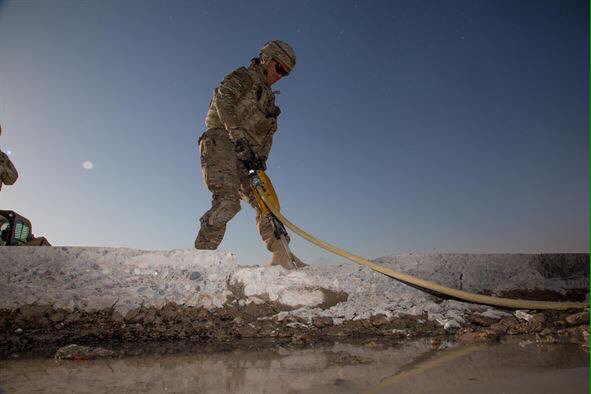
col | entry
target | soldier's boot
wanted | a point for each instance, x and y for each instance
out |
(281, 258)
(299, 263)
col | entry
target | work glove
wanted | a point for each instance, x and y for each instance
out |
(248, 157)
(260, 163)
(243, 150)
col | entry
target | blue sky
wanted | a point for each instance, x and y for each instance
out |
(406, 126)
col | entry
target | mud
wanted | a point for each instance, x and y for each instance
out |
(34, 327)
(39, 327)
(573, 295)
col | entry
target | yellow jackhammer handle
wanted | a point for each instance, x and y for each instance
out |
(266, 189)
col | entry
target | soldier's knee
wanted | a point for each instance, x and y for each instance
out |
(222, 212)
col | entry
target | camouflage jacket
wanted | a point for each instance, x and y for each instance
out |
(244, 105)
(8, 174)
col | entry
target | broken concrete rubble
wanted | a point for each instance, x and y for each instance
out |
(578, 318)
(58, 295)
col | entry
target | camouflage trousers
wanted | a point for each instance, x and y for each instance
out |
(227, 179)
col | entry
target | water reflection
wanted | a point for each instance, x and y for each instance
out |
(408, 367)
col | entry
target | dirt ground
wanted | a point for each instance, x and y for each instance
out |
(42, 328)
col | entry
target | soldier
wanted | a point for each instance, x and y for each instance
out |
(8, 174)
(240, 124)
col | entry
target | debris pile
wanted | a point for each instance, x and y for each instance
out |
(57, 296)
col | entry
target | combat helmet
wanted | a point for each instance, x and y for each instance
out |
(280, 51)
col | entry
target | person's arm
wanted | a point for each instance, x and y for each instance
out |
(228, 96)
(8, 173)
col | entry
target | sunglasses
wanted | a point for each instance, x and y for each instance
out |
(280, 70)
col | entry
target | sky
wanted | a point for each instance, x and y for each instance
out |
(406, 126)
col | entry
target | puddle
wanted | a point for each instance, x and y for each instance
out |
(374, 367)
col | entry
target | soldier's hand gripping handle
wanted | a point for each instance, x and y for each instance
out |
(248, 157)
(243, 150)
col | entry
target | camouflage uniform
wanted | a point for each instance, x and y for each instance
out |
(8, 174)
(243, 106)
